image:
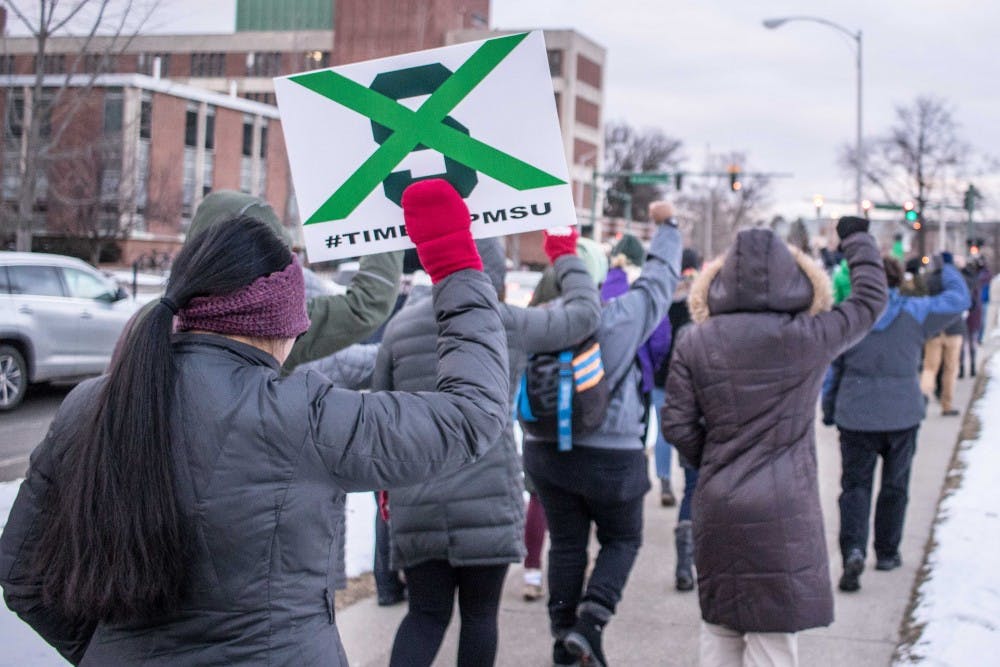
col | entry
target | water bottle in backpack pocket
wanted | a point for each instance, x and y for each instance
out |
(564, 394)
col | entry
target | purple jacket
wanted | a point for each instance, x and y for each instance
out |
(655, 350)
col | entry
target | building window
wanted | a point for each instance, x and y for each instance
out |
(263, 98)
(583, 151)
(96, 63)
(208, 64)
(6, 63)
(114, 104)
(587, 113)
(559, 105)
(247, 136)
(191, 128)
(147, 64)
(588, 71)
(188, 182)
(52, 63)
(264, 64)
(263, 141)
(12, 170)
(210, 129)
(555, 62)
(15, 112)
(315, 59)
(146, 118)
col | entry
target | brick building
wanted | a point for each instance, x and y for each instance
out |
(185, 90)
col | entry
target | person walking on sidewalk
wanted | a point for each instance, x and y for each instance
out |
(741, 397)
(601, 481)
(680, 317)
(943, 351)
(462, 530)
(626, 259)
(179, 510)
(875, 401)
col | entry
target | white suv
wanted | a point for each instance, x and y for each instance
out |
(59, 320)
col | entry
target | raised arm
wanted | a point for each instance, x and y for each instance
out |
(545, 329)
(849, 321)
(936, 312)
(343, 319)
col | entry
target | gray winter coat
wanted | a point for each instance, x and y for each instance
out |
(626, 323)
(263, 463)
(475, 515)
(741, 406)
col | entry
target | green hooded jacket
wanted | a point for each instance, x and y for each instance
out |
(841, 282)
(337, 320)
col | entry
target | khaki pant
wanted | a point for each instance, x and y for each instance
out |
(943, 352)
(722, 647)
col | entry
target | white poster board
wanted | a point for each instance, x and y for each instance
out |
(481, 115)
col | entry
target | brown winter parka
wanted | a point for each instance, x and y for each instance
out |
(741, 406)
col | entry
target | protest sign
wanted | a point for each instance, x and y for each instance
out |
(481, 115)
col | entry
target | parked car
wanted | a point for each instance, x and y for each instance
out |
(59, 320)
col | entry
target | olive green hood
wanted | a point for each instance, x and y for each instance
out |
(223, 205)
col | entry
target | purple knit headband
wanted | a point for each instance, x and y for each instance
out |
(273, 306)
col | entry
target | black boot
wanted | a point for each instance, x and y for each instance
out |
(684, 541)
(854, 565)
(584, 640)
(561, 657)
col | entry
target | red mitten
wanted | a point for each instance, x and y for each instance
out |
(560, 241)
(437, 221)
(383, 505)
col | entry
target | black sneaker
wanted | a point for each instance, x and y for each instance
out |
(854, 565)
(561, 657)
(888, 563)
(391, 597)
(584, 640)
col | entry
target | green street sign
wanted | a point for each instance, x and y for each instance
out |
(648, 179)
(429, 126)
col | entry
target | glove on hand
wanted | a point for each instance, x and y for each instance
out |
(947, 258)
(437, 221)
(850, 224)
(560, 241)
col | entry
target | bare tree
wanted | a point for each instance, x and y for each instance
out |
(711, 213)
(104, 28)
(917, 158)
(627, 149)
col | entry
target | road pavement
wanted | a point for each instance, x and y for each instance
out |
(23, 428)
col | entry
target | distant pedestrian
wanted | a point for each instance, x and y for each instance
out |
(973, 273)
(943, 351)
(741, 396)
(181, 509)
(874, 399)
(459, 532)
(601, 481)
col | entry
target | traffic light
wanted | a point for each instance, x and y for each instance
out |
(866, 206)
(735, 184)
(678, 180)
(911, 215)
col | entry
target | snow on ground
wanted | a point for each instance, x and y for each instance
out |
(959, 601)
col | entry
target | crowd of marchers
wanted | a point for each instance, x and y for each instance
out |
(187, 507)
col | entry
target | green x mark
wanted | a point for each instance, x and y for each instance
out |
(423, 126)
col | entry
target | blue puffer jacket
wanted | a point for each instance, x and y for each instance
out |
(875, 384)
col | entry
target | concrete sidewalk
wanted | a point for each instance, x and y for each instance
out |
(657, 626)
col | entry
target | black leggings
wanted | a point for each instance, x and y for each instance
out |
(431, 587)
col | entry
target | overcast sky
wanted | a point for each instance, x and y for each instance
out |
(708, 73)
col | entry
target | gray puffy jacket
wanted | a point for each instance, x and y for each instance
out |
(475, 515)
(262, 464)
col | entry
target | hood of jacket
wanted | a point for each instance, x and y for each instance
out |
(223, 205)
(760, 273)
(892, 310)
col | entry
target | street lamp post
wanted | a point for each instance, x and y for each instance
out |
(856, 36)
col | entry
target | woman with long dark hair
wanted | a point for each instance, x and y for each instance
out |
(181, 509)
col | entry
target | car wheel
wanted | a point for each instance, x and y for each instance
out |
(13, 377)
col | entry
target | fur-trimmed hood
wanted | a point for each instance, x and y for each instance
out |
(760, 273)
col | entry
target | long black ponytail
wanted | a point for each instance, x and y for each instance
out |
(115, 544)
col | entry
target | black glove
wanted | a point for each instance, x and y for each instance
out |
(946, 258)
(850, 224)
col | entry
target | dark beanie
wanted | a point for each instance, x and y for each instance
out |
(632, 248)
(893, 271)
(689, 260)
